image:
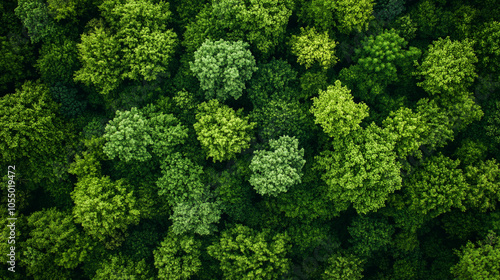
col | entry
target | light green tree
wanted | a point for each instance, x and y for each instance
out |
(481, 261)
(336, 112)
(221, 131)
(178, 257)
(105, 208)
(484, 185)
(448, 68)
(407, 129)
(223, 67)
(361, 170)
(312, 48)
(277, 170)
(245, 253)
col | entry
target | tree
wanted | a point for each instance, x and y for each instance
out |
(407, 129)
(181, 180)
(58, 60)
(137, 34)
(487, 47)
(131, 134)
(121, 267)
(54, 241)
(448, 69)
(361, 170)
(436, 187)
(260, 23)
(346, 15)
(481, 261)
(312, 47)
(244, 253)
(223, 68)
(221, 131)
(276, 171)
(34, 15)
(343, 266)
(379, 55)
(127, 136)
(336, 112)
(178, 257)
(195, 217)
(484, 185)
(104, 208)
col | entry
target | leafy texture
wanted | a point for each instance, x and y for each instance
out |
(312, 47)
(178, 257)
(196, 217)
(361, 170)
(221, 131)
(104, 208)
(277, 170)
(336, 112)
(223, 68)
(244, 253)
(448, 68)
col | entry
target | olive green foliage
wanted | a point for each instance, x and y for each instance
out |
(484, 181)
(58, 61)
(104, 208)
(61, 9)
(223, 67)
(436, 187)
(361, 170)
(54, 241)
(245, 253)
(487, 47)
(448, 68)
(121, 267)
(30, 124)
(336, 112)
(346, 15)
(277, 170)
(343, 267)
(312, 47)
(221, 131)
(260, 23)
(178, 257)
(481, 261)
(195, 216)
(15, 54)
(181, 180)
(274, 80)
(138, 34)
(408, 129)
(34, 15)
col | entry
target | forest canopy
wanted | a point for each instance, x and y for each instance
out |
(250, 139)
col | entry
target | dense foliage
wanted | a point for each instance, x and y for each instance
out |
(250, 139)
